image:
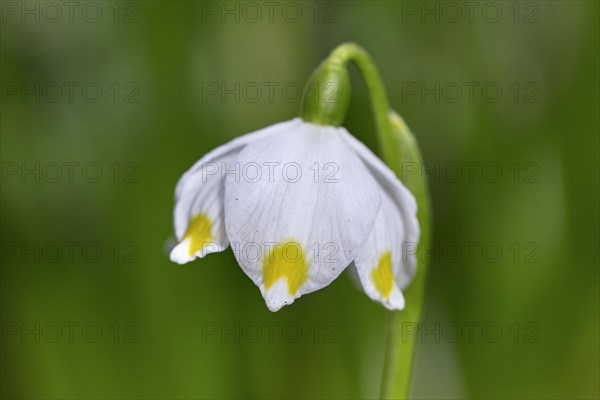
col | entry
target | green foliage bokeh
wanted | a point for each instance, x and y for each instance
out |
(542, 135)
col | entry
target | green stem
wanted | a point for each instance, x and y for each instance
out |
(379, 104)
(397, 145)
(400, 350)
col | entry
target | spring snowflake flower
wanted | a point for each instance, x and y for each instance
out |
(298, 203)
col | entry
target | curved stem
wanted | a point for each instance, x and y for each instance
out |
(379, 104)
(400, 348)
(397, 144)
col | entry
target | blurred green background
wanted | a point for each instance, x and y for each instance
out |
(91, 307)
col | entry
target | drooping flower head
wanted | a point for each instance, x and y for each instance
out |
(299, 202)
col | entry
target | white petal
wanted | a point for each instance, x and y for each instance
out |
(199, 198)
(380, 260)
(403, 202)
(294, 233)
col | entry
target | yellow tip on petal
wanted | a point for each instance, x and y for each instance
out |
(286, 261)
(382, 276)
(198, 231)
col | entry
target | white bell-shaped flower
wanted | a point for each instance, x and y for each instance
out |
(298, 203)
